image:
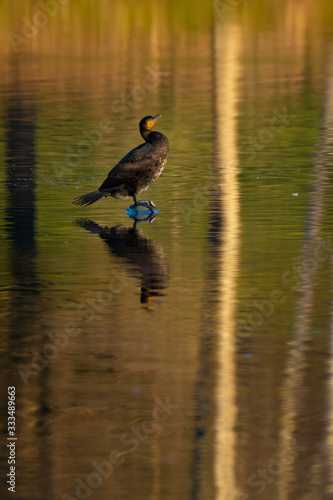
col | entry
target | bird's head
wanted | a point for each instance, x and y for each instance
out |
(148, 122)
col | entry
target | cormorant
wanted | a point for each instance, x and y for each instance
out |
(137, 170)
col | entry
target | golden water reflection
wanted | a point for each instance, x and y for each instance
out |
(228, 72)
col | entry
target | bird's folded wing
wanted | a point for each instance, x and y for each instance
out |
(137, 156)
(131, 167)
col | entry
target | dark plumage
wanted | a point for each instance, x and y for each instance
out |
(137, 170)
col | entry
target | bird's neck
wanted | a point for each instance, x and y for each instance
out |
(152, 137)
(146, 134)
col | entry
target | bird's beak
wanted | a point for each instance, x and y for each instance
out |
(153, 120)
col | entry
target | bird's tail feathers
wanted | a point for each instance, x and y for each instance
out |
(88, 199)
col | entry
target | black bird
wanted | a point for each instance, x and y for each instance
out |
(137, 170)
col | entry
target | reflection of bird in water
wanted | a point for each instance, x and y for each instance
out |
(137, 170)
(141, 252)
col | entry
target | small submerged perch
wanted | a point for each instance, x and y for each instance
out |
(137, 170)
(143, 211)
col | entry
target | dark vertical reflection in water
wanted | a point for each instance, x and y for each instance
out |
(202, 459)
(328, 445)
(298, 366)
(20, 217)
(20, 210)
(202, 466)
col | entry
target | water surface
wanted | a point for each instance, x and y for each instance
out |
(190, 357)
